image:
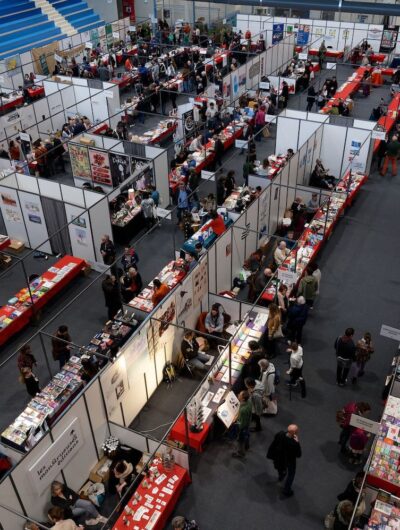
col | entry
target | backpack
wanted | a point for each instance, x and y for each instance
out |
(169, 374)
(277, 377)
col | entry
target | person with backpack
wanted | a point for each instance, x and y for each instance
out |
(345, 355)
(308, 287)
(256, 391)
(269, 378)
(284, 451)
(343, 418)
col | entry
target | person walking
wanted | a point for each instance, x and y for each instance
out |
(256, 391)
(147, 207)
(297, 317)
(296, 367)
(308, 287)
(392, 154)
(268, 378)
(273, 331)
(26, 359)
(345, 355)
(243, 424)
(364, 350)
(284, 451)
(311, 97)
(30, 380)
(60, 347)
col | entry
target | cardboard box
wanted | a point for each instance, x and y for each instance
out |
(16, 246)
(87, 141)
(98, 474)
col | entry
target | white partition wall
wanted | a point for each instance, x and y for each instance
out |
(12, 214)
(223, 259)
(35, 222)
(333, 135)
(8, 497)
(287, 134)
(80, 234)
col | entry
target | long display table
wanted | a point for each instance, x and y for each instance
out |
(387, 122)
(18, 311)
(154, 500)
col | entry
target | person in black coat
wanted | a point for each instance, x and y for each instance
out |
(58, 151)
(250, 368)
(353, 489)
(311, 97)
(345, 355)
(284, 450)
(218, 151)
(297, 317)
(107, 250)
(112, 295)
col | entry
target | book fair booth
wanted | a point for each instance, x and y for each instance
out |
(70, 432)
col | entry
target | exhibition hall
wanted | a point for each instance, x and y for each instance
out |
(198, 323)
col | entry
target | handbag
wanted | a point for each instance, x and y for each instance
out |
(329, 520)
(278, 333)
(270, 407)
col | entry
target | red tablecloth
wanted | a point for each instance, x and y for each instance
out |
(377, 58)
(329, 53)
(351, 87)
(164, 134)
(388, 121)
(21, 321)
(5, 243)
(169, 499)
(99, 129)
(124, 81)
(35, 91)
(196, 439)
(8, 105)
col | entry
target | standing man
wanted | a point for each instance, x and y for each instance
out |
(243, 423)
(284, 451)
(345, 355)
(107, 250)
(392, 154)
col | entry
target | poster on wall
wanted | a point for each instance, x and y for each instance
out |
(12, 65)
(184, 301)
(277, 33)
(160, 332)
(303, 34)
(34, 212)
(235, 84)
(226, 86)
(114, 382)
(10, 208)
(80, 161)
(242, 79)
(389, 38)
(100, 165)
(120, 168)
(136, 347)
(189, 125)
(200, 282)
(263, 210)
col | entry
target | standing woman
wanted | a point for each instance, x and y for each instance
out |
(60, 346)
(273, 331)
(364, 350)
(283, 301)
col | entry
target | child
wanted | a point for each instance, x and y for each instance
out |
(357, 443)
(31, 381)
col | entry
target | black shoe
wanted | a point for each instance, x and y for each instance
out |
(289, 493)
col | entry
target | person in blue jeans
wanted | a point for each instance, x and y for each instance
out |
(284, 451)
(183, 201)
(243, 424)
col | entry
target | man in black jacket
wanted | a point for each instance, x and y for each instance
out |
(284, 451)
(218, 151)
(345, 355)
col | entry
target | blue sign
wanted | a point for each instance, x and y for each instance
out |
(303, 34)
(277, 33)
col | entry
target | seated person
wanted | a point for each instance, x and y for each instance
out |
(89, 368)
(312, 206)
(191, 261)
(289, 154)
(200, 250)
(214, 322)
(290, 240)
(60, 521)
(196, 144)
(191, 352)
(131, 284)
(124, 474)
(297, 207)
(323, 175)
(281, 253)
(72, 505)
(160, 291)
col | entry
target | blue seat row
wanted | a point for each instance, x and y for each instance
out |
(4, 54)
(79, 20)
(35, 35)
(19, 16)
(9, 9)
(25, 23)
(69, 10)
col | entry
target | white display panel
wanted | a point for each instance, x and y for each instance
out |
(263, 212)
(357, 141)
(80, 233)
(212, 267)
(72, 195)
(238, 252)
(332, 158)
(274, 207)
(307, 128)
(301, 172)
(12, 215)
(35, 222)
(68, 97)
(251, 228)
(223, 260)
(287, 135)
(316, 147)
(79, 467)
(128, 437)
(8, 520)
(160, 161)
(41, 110)
(101, 224)
(97, 413)
(49, 189)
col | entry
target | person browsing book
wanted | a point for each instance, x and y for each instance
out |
(216, 224)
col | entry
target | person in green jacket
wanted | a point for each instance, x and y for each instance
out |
(308, 287)
(243, 423)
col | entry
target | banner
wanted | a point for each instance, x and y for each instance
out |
(80, 161)
(56, 457)
(189, 125)
(235, 84)
(389, 38)
(200, 281)
(100, 165)
(120, 168)
(303, 34)
(277, 32)
(114, 382)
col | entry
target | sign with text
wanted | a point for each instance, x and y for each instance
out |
(378, 135)
(364, 423)
(24, 137)
(264, 85)
(242, 144)
(390, 333)
(207, 175)
(57, 456)
(89, 45)
(303, 56)
(287, 277)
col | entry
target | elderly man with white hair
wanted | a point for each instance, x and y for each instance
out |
(281, 253)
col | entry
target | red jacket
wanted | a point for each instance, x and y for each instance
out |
(217, 225)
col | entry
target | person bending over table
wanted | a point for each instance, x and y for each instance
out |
(160, 291)
(191, 352)
(217, 224)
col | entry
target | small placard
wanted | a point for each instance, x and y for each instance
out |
(132, 28)
(287, 277)
(108, 94)
(390, 333)
(331, 66)
(264, 85)
(224, 21)
(378, 135)
(303, 56)
(242, 144)
(24, 137)
(58, 58)
(115, 34)
(207, 175)
(88, 45)
(364, 423)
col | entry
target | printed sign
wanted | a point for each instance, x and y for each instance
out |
(287, 277)
(207, 175)
(241, 144)
(378, 135)
(364, 423)
(277, 33)
(57, 456)
(303, 34)
(390, 333)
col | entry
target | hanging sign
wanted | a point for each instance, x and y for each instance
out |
(287, 277)
(364, 423)
(390, 333)
(303, 34)
(378, 135)
(277, 33)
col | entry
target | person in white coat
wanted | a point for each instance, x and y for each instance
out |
(281, 253)
(267, 379)
(296, 362)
